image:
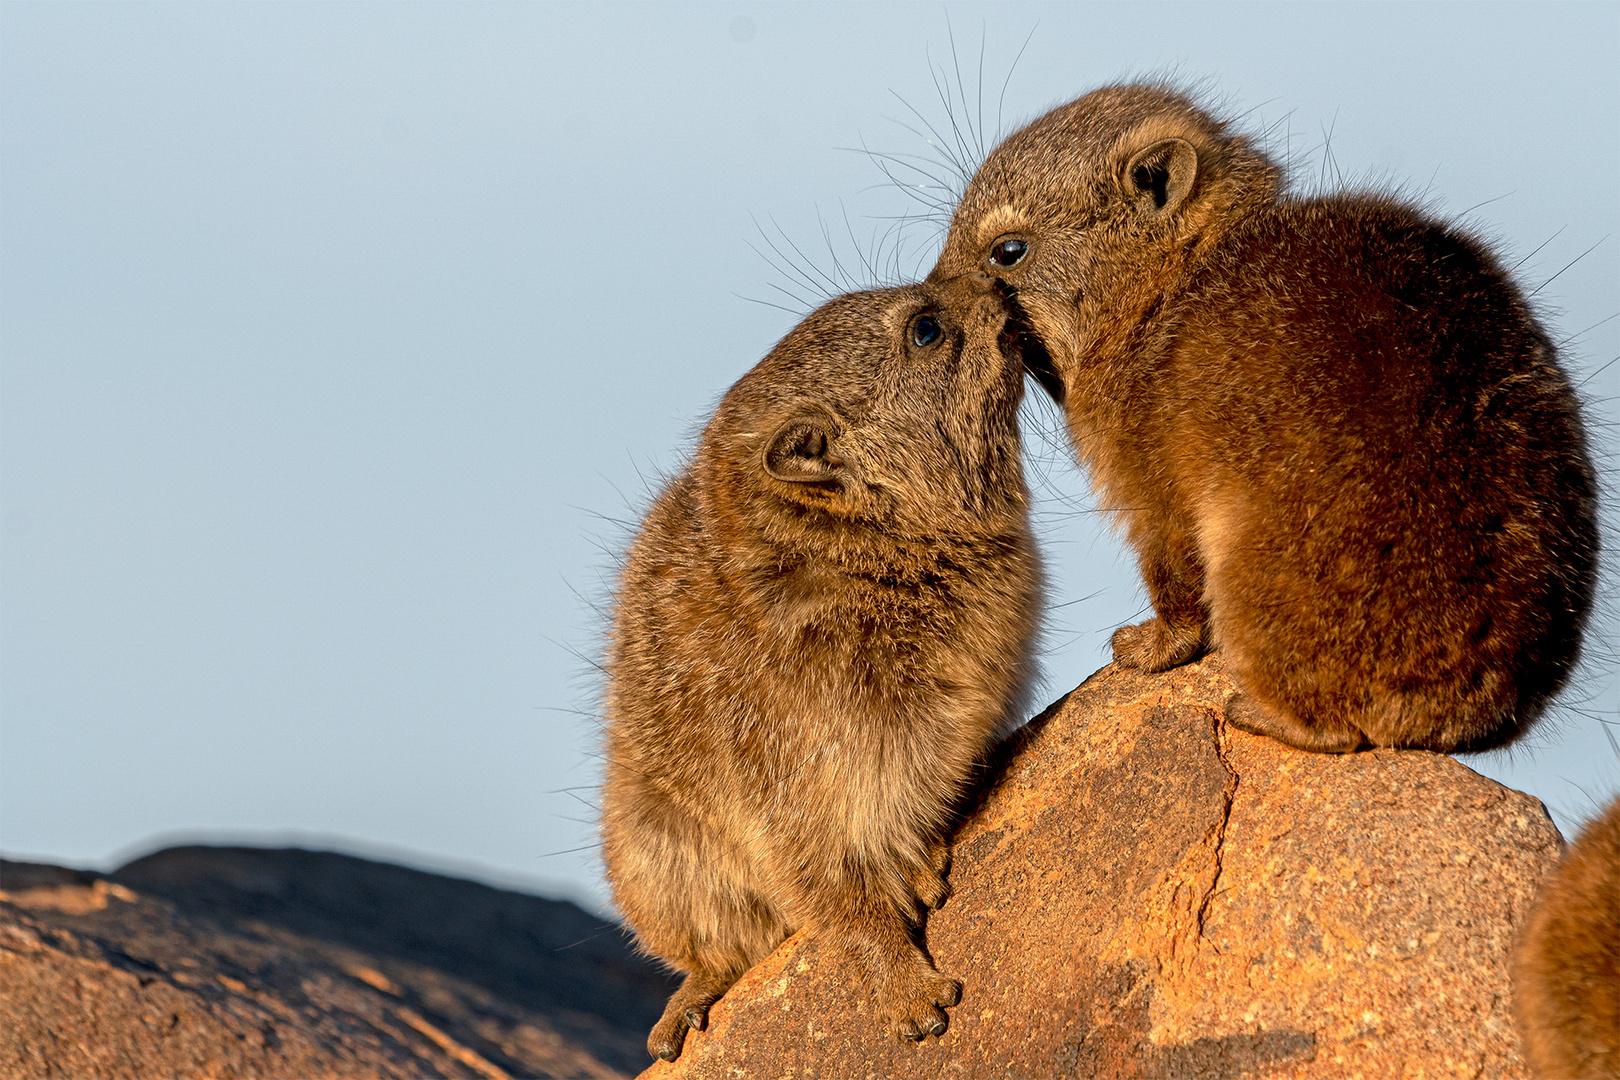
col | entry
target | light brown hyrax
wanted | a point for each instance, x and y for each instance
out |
(1336, 436)
(1566, 975)
(825, 620)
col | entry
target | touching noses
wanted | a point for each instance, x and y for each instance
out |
(967, 288)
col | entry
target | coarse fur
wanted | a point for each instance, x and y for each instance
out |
(1566, 973)
(824, 622)
(1338, 439)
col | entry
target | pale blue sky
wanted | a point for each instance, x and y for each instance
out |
(334, 339)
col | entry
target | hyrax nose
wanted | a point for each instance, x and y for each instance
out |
(971, 288)
(978, 299)
(980, 281)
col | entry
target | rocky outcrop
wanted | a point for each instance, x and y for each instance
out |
(1140, 891)
(236, 962)
(1143, 891)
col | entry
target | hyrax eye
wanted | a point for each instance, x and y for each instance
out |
(925, 331)
(1008, 252)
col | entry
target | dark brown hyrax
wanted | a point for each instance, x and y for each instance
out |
(1338, 439)
(1566, 975)
(822, 625)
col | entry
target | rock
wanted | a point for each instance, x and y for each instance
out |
(239, 962)
(1143, 891)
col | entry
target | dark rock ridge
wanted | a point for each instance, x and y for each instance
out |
(239, 962)
(1143, 891)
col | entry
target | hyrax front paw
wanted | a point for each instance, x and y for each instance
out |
(913, 1003)
(688, 1009)
(1152, 646)
(669, 1035)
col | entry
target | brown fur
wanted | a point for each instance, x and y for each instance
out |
(1338, 439)
(1566, 977)
(824, 622)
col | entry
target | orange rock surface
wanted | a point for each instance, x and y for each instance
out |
(1143, 891)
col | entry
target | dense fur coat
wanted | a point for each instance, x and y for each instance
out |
(1566, 976)
(1337, 437)
(824, 622)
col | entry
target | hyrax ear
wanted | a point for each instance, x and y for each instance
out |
(801, 451)
(1161, 176)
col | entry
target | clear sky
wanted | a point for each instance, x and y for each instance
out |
(339, 341)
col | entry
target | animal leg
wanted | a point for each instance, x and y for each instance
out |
(1243, 713)
(912, 995)
(692, 900)
(1175, 582)
(688, 1008)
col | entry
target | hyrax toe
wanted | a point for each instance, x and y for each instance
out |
(667, 1038)
(1132, 645)
(931, 887)
(915, 1006)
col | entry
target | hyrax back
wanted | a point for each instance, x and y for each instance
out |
(825, 620)
(1338, 439)
(1566, 974)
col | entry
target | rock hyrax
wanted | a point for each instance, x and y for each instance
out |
(1339, 441)
(825, 620)
(1566, 973)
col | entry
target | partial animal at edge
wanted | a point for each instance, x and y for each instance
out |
(1566, 963)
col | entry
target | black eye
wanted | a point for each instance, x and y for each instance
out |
(924, 331)
(1008, 252)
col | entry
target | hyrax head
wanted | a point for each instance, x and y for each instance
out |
(892, 410)
(1087, 204)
